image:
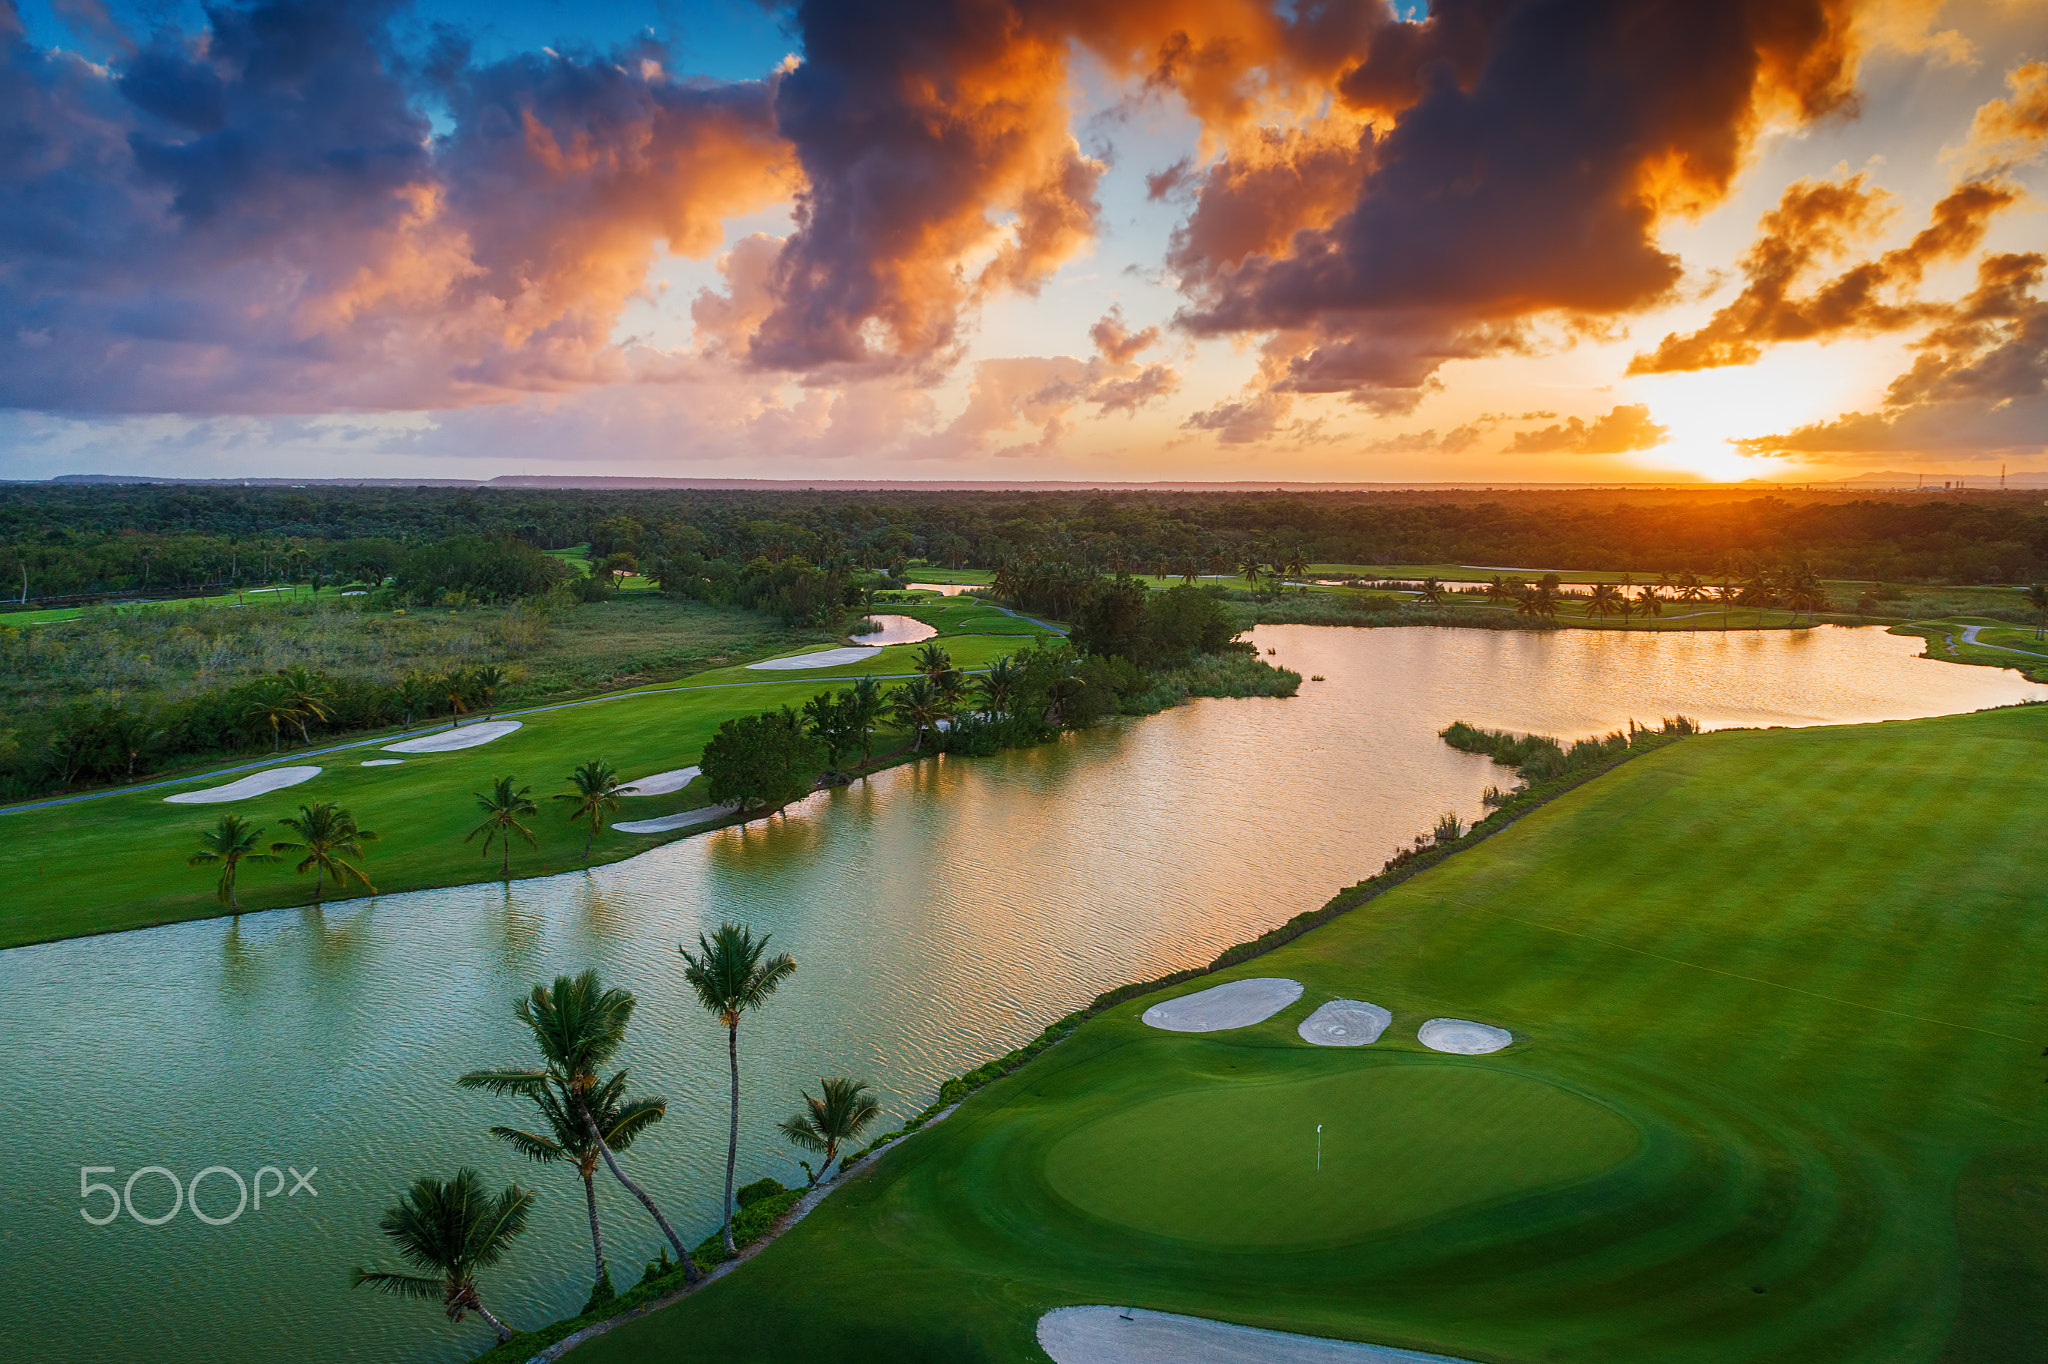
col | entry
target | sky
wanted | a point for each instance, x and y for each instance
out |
(1485, 240)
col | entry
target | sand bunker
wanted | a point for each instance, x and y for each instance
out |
(824, 658)
(661, 783)
(256, 784)
(1462, 1038)
(448, 740)
(1133, 1335)
(1237, 1004)
(1345, 1023)
(384, 762)
(668, 823)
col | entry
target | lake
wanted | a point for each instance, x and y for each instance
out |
(940, 914)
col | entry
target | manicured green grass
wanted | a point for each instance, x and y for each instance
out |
(1775, 1095)
(118, 861)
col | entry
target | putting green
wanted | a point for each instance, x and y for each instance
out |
(1234, 1162)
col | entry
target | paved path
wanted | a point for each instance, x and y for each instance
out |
(1970, 637)
(1116, 1335)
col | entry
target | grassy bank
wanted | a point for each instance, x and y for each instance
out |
(117, 861)
(1774, 1095)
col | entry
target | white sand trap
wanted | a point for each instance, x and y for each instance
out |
(1462, 1038)
(1237, 1004)
(668, 823)
(256, 784)
(824, 658)
(384, 762)
(1345, 1023)
(661, 783)
(448, 740)
(1103, 1335)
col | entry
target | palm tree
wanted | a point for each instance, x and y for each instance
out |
(596, 793)
(920, 705)
(732, 978)
(566, 1138)
(1190, 569)
(578, 1026)
(135, 735)
(454, 689)
(1649, 603)
(230, 843)
(2037, 597)
(412, 694)
(502, 809)
(1253, 569)
(997, 688)
(271, 704)
(450, 1231)
(933, 662)
(866, 697)
(1604, 602)
(831, 1121)
(1432, 592)
(328, 836)
(1499, 592)
(307, 696)
(1728, 593)
(487, 680)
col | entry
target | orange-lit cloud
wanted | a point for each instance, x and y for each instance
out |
(1626, 429)
(1816, 221)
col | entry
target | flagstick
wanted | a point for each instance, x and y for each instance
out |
(1319, 1148)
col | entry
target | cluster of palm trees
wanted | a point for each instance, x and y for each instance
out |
(1795, 587)
(295, 699)
(448, 1231)
(327, 840)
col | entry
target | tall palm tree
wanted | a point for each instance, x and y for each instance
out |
(411, 695)
(488, 680)
(578, 1026)
(1604, 602)
(1728, 593)
(502, 809)
(865, 695)
(454, 689)
(2037, 597)
(1190, 569)
(595, 793)
(732, 976)
(844, 1108)
(920, 705)
(1253, 568)
(997, 688)
(933, 662)
(230, 843)
(565, 1138)
(1431, 591)
(270, 704)
(1649, 603)
(328, 836)
(450, 1231)
(307, 696)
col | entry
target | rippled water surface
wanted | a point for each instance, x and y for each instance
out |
(940, 914)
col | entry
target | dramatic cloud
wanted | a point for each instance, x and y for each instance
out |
(1628, 427)
(2006, 132)
(1520, 156)
(1979, 384)
(259, 218)
(1815, 221)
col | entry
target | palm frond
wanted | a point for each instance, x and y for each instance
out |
(397, 1285)
(531, 1145)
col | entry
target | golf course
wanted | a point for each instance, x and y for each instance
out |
(119, 863)
(1774, 1094)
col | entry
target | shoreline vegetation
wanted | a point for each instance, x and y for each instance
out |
(1547, 770)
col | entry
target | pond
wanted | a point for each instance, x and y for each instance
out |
(940, 914)
(895, 630)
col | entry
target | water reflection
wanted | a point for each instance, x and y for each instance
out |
(939, 914)
(895, 630)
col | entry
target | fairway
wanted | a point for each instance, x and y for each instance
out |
(1235, 1162)
(1775, 1095)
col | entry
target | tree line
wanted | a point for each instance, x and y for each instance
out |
(1973, 537)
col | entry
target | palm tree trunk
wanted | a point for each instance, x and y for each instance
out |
(596, 1236)
(589, 839)
(504, 1331)
(732, 1145)
(506, 866)
(690, 1271)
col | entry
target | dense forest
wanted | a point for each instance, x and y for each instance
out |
(65, 540)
